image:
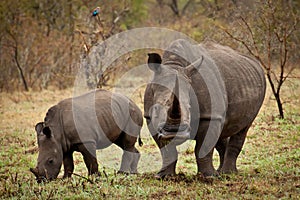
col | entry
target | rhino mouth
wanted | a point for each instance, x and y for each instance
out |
(174, 132)
(40, 178)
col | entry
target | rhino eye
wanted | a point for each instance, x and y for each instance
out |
(50, 161)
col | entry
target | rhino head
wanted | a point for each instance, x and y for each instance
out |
(50, 154)
(169, 91)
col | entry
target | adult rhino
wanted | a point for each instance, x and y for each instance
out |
(206, 92)
(85, 123)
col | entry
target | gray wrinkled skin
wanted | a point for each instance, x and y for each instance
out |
(85, 123)
(206, 92)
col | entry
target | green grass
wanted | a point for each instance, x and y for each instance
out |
(269, 164)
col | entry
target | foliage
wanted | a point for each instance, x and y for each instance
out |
(136, 16)
(28, 42)
(41, 42)
(48, 38)
(269, 31)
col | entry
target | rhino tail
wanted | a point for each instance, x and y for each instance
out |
(140, 141)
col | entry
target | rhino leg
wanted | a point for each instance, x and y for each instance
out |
(233, 149)
(169, 156)
(130, 159)
(221, 148)
(168, 153)
(205, 165)
(68, 164)
(125, 163)
(135, 160)
(131, 155)
(88, 151)
(207, 131)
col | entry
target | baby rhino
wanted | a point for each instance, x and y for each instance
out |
(85, 123)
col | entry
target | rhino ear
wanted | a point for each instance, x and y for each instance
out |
(194, 67)
(47, 131)
(39, 127)
(154, 61)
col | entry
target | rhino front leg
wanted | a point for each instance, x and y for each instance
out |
(206, 139)
(168, 153)
(88, 151)
(68, 164)
(233, 149)
(169, 160)
(205, 165)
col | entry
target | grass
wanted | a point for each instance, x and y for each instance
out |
(269, 164)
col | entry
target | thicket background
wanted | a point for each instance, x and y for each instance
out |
(43, 41)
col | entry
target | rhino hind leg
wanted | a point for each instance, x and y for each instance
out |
(126, 161)
(131, 155)
(130, 159)
(221, 148)
(135, 160)
(233, 150)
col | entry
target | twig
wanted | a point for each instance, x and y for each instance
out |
(50, 194)
(87, 48)
(32, 150)
(89, 180)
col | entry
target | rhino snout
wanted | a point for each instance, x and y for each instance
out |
(178, 132)
(39, 178)
(35, 171)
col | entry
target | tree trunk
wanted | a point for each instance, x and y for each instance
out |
(279, 105)
(276, 95)
(20, 70)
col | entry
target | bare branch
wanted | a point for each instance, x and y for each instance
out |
(86, 46)
(117, 19)
(186, 6)
(274, 75)
(294, 28)
(174, 7)
(16, 58)
(251, 34)
(288, 75)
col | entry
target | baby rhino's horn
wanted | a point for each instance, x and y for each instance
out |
(34, 171)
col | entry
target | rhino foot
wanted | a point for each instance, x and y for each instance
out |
(168, 170)
(160, 176)
(123, 172)
(210, 173)
(228, 171)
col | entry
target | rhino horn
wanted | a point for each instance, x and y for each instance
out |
(193, 67)
(35, 171)
(174, 112)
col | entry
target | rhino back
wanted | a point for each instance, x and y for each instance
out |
(244, 85)
(234, 80)
(97, 117)
(243, 76)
